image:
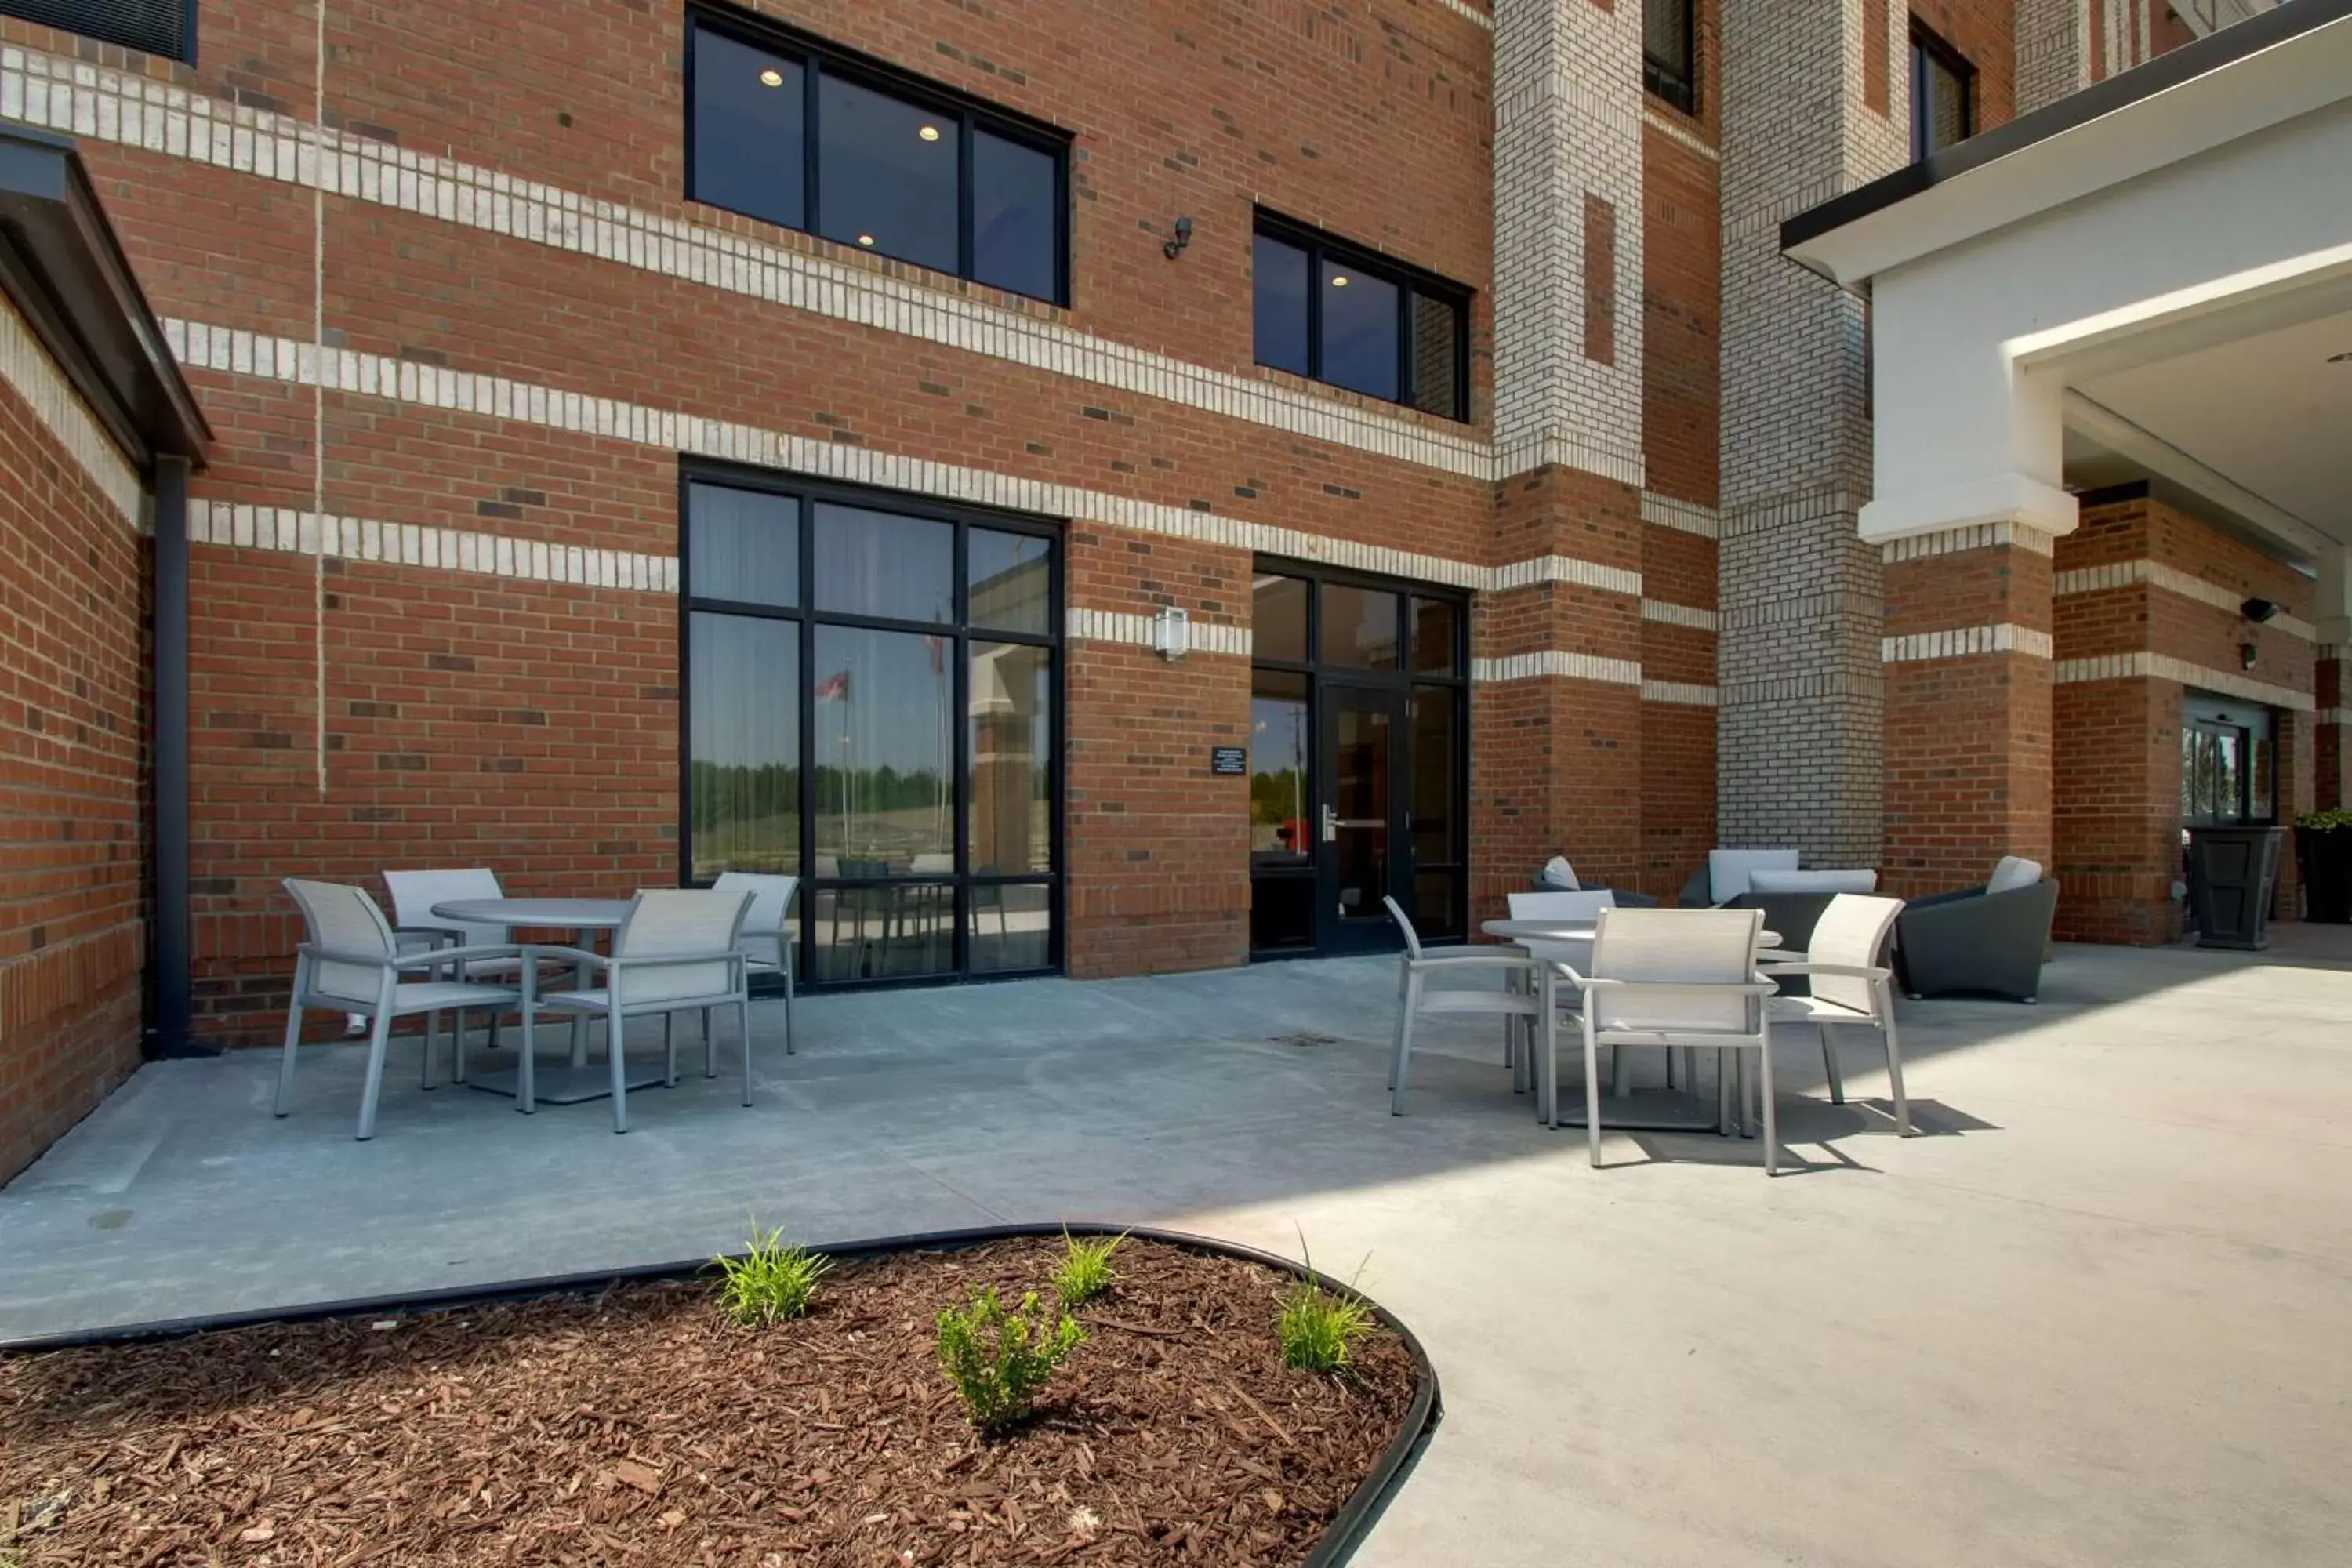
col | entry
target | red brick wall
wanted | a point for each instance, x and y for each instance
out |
(2116, 805)
(1968, 737)
(73, 755)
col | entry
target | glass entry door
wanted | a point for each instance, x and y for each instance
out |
(1358, 828)
(1358, 761)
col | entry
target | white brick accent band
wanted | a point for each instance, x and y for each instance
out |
(1975, 536)
(2144, 665)
(1564, 569)
(1963, 642)
(1679, 693)
(1470, 13)
(411, 544)
(2171, 580)
(1678, 616)
(26, 365)
(234, 351)
(2333, 715)
(1688, 516)
(1115, 626)
(108, 105)
(1552, 662)
(1658, 119)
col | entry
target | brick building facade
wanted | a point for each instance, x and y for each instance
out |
(469, 348)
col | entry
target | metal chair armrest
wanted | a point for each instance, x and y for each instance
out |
(1855, 971)
(1471, 960)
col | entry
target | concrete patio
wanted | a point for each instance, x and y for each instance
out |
(2096, 1315)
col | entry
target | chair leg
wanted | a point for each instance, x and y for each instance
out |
(1548, 1029)
(1722, 1093)
(1398, 1072)
(709, 1044)
(379, 1038)
(458, 1047)
(613, 1053)
(1621, 1074)
(789, 1046)
(1396, 1035)
(432, 1027)
(1829, 1065)
(526, 1088)
(293, 1040)
(1772, 1119)
(669, 1045)
(1893, 1061)
(1591, 1092)
(743, 1028)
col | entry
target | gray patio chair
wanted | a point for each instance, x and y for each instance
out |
(1724, 875)
(1414, 997)
(1584, 904)
(352, 963)
(1990, 938)
(414, 923)
(766, 943)
(676, 953)
(1672, 978)
(1849, 987)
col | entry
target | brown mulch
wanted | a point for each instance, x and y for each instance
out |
(637, 1426)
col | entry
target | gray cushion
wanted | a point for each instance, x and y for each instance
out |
(2013, 872)
(1773, 879)
(1727, 870)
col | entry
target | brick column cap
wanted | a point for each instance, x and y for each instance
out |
(2003, 497)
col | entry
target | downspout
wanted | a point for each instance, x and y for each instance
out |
(173, 1033)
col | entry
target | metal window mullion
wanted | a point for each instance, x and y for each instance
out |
(964, 248)
(804, 702)
(812, 79)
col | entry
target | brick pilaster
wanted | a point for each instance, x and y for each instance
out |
(1967, 659)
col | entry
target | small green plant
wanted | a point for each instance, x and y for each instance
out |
(2326, 821)
(1317, 1327)
(998, 1360)
(771, 1283)
(1086, 1271)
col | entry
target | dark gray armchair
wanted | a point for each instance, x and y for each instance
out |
(1975, 940)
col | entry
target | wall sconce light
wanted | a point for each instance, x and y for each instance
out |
(1169, 629)
(1183, 238)
(2258, 610)
(2246, 655)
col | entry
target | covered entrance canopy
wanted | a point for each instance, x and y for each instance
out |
(2150, 279)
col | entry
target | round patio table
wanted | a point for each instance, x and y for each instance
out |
(1624, 1107)
(575, 1080)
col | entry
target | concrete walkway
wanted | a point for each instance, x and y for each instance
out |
(2098, 1316)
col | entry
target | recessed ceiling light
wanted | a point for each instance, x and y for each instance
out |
(772, 77)
(865, 239)
(1339, 280)
(929, 133)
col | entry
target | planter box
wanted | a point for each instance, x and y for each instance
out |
(2324, 855)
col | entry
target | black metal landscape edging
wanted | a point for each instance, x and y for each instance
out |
(1340, 1537)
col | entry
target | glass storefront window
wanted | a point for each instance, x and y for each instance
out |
(909, 771)
(1360, 626)
(1278, 618)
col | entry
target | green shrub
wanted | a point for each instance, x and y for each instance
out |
(1086, 1271)
(1317, 1327)
(2326, 821)
(999, 1360)
(771, 1283)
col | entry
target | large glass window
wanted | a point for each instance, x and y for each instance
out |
(1670, 52)
(1329, 312)
(1943, 95)
(165, 28)
(891, 734)
(787, 130)
(2227, 761)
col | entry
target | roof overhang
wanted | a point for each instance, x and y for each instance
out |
(63, 269)
(2231, 83)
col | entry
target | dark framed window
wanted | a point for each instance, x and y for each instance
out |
(783, 128)
(1670, 52)
(873, 704)
(1943, 95)
(165, 28)
(1330, 311)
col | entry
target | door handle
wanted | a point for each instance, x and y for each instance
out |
(1330, 823)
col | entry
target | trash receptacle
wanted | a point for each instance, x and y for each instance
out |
(2233, 875)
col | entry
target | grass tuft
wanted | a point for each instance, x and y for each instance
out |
(1318, 1328)
(771, 1282)
(1086, 1271)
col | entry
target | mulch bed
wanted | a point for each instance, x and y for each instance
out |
(638, 1425)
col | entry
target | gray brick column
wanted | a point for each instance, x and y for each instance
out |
(2053, 52)
(1805, 117)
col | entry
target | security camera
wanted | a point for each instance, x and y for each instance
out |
(2258, 610)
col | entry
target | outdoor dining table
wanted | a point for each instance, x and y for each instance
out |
(1623, 1107)
(575, 1080)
